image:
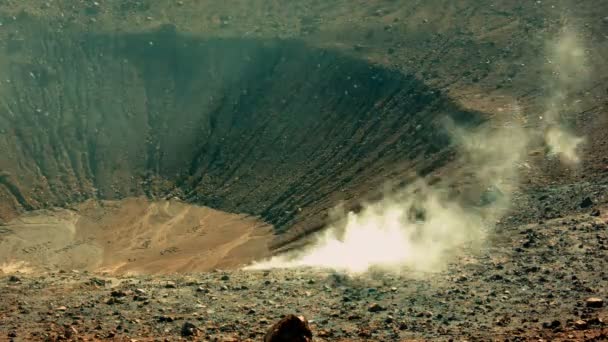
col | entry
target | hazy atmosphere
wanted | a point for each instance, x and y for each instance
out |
(382, 170)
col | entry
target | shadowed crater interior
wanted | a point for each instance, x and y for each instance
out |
(272, 128)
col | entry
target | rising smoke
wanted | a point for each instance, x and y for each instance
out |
(422, 226)
(567, 73)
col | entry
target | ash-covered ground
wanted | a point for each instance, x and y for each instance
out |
(145, 143)
(545, 280)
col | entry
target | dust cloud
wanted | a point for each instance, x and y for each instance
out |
(422, 226)
(568, 72)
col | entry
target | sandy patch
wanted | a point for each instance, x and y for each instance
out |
(132, 236)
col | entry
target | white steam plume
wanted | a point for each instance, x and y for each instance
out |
(421, 226)
(568, 72)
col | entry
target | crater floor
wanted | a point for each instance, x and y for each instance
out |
(131, 236)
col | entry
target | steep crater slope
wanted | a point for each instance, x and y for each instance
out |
(272, 128)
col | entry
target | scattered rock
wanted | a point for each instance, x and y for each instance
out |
(70, 332)
(170, 285)
(166, 319)
(461, 279)
(580, 324)
(97, 282)
(114, 300)
(552, 325)
(595, 321)
(189, 329)
(353, 317)
(118, 294)
(586, 203)
(225, 277)
(14, 279)
(595, 213)
(290, 329)
(375, 307)
(503, 321)
(594, 302)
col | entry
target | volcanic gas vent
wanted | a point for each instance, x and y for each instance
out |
(273, 128)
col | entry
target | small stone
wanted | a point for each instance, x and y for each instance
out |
(586, 203)
(189, 329)
(552, 325)
(170, 285)
(354, 317)
(290, 328)
(140, 291)
(97, 282)
(605, 20)
(594, 302)
(69, 332)
(202, 289)
(14, 279)
(114, 300)
(225, 277)
(503, 321)
(375, 307)
(61, 308)
(118, 294)
(324, 333)
(580, 324)
(12, 334)
(167, 319)
(595, 213)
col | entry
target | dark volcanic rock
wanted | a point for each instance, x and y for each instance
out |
(189, 329)
(586, 203)
(118, 294)
(552, 325)
(290, 329)
(580, 324)
(375, 307)
(594, 302)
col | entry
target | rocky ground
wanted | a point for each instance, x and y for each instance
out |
(143, 70)
(544, 280)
